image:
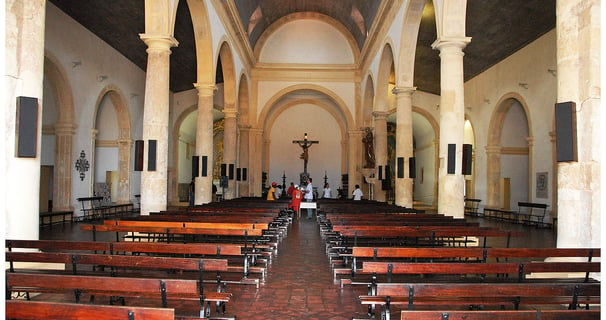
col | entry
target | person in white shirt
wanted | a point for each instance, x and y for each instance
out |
(357, 194)
(327, 192)
(309, 196)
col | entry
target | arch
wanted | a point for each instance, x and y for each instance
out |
(203, 38)
(386, 68)
(435, 161)
(64, 130)
(408, 43)
(229, 75)
(494, 148)
(124, 141)
(270, 105)
(306, 15)
(365, 115)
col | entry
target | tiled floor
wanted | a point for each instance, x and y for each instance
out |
(299, 284)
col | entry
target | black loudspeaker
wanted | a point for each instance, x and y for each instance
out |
(26, 127)
(466, 164)
(195, 166)
(139, 147)
(566, 131)
(204, 172)
(412, 168)
(151, 155)
(400, 168)
(223, 169)
(380, 173)
(238, 174)
(452, 150)
(231, 171)
(244, 171)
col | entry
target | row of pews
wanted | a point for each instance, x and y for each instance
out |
(179, 261)
(416, 265)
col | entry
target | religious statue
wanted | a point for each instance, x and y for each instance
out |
(305, 144)
(369, 150)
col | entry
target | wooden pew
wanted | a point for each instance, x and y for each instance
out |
(470, 270)
(247, 257)
(501, 314)
(415, 236)
(162, 289)
(167, 234)
(480, 295)
(45, 310)
(412, 255)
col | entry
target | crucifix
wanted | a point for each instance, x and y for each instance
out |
(305, 144)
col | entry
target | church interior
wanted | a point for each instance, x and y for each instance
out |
(152, 120)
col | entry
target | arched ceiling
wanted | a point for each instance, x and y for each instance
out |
(498, 28)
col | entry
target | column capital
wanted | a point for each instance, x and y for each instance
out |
(158, 41)
(452, 42)
(205, 89)
(380, 114)
(403, 90)
(231, 113)
(65, 128)
(493, 149)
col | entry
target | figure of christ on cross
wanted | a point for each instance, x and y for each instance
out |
(305, 144)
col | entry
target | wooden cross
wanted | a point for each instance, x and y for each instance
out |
(305, 144)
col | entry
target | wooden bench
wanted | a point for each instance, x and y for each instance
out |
(416, 236)
(248, 262)
(469, 255)
(48, 217)
(480, 295)
(531, 213)
(471, 206)
(163, 289)
(478, 271)
(501, 314)
(45, 310)
(499, 214)
(168, 234)
(91, 208)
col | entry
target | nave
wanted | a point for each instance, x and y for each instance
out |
(299, 283)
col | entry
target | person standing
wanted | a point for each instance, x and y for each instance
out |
(192, 192)
(357, 193)
(327, 194)
(271, 191)
(290, 190)
(309, 196)
(297, 196)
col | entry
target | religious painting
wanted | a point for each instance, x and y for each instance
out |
(542, 186)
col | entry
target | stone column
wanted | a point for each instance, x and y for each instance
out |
(243, 163)
(355, 160)
(154, 184)
(404, 145)
(380, 150)
(230, 135)
(255, 168)
(205, 146)
(452, 125)
(24, 47)
(62, 184)
(578, 69)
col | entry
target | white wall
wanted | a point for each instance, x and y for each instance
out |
(68, 42)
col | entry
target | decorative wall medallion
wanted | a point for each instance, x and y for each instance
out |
(82, 165)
